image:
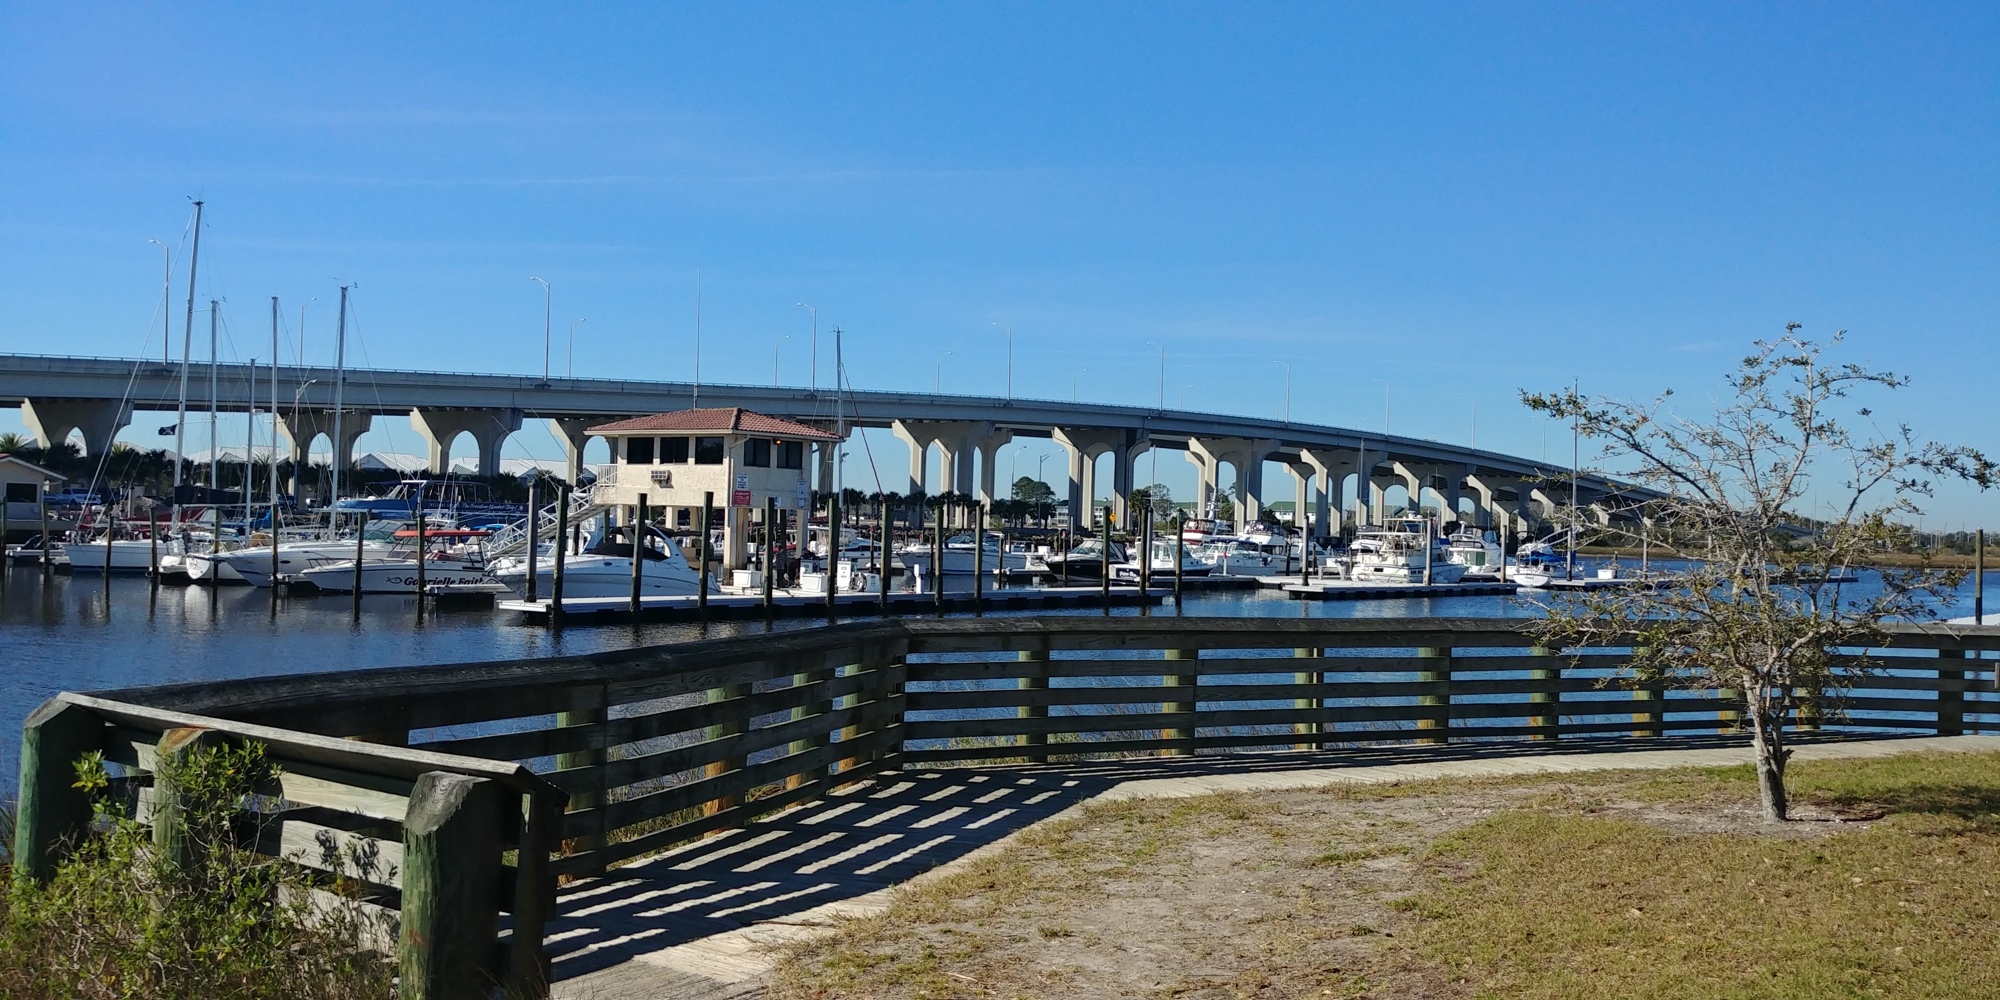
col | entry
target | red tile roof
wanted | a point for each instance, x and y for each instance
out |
(724, 420)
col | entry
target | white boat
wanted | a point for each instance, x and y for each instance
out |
(453, 565)
(1240, 556)
(958, 556)
(252, 563)
(128, 555)
(1162, 568)
(1537, 564)
(1480, 557)
(1407, 550)
(604, 569)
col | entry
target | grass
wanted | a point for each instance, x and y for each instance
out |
(1550, 904)
(1656, 884)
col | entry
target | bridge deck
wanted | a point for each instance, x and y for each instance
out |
(701, 922)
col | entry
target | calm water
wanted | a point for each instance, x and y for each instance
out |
(68, 634)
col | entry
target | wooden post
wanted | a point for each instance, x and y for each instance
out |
(275, 582)
(770, 550)
(1441, 675)
(1104, 562)
(1951, 693)
(591, 756)
(562, 550)
(534, 535)
(1146, 552)
(937, 559)
(1181, 680)
(1651, 712)
(451, 880)
(42, 506)
(979, 556)
(423, 556)
(1547, 716)
(52, 814)
(882, 554)
(1313, 679)
(153, 553)
(1036, 680)
(701, 539)
(638, 553)
(832, 553)
(1180, 554)
(730, 725)
(360, 535)
(170, 834)
(1731, 718)
(799, 712)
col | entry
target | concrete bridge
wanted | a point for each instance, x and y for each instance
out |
(97, 396)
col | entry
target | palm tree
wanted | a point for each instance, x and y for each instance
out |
(11, 442)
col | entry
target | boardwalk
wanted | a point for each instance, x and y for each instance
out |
(700, 922)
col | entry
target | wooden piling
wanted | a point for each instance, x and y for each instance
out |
(451, 880)
(770, 551)
(170, 833)
(732, 724)
(562, 550)
(1439, 674)
(534, 589)
(701, 540)
(1180, 680)
(1104, 562)
(51, 814)
(638, 538)
(1547, 716)
(360, 536)
(592, 755)
(882, 554)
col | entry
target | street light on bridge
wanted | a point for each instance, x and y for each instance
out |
(547, 301)
(814, 380)
(1010, 358)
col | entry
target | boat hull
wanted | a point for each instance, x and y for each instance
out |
(440, 577)
(126, 556)
(601, 576)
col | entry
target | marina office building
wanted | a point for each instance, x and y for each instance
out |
(741, 458)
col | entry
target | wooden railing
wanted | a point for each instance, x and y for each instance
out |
(478, 788)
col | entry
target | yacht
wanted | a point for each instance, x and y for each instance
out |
(1086, 560)
(1162, 568)
(958, 556)
(604, 569)
(1239, 556)
(252, 563)
(1407, 550)
(454, 564)
(1537, 564)
(1480, 557)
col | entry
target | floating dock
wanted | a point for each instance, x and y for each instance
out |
(797, 604)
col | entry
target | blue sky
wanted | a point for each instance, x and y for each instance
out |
(1460, 200)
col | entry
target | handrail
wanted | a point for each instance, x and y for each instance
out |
(617, 754)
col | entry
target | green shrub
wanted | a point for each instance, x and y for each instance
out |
(208, 919)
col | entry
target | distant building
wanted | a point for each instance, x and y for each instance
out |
(22, 485)
(737, 458)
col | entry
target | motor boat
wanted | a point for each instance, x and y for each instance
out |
(1086, 559)
(1406, 550)
(959, 556)
(1238, 556)
(604, 569)
(1480, 557)
(1162, 568)
(1537, 564)
(454, 564)
(128, 555)
(252, 563)
(31, 551)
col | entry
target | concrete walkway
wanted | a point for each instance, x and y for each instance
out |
(702, 922)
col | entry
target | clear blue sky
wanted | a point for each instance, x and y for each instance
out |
(1461, 200)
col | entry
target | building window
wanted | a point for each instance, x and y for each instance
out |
(638, 451)
(674, 451)
(708, 451)
(20, 492)
(791, 455)
(757, 453)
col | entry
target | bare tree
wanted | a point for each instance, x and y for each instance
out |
(1772, 499)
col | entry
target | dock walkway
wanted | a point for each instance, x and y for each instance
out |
(703, 922)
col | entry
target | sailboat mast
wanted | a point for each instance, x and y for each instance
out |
(274, 414)
(339, 391)
(187, 348)
(249, 440)
(213, 451)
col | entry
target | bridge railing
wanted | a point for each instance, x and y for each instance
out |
(546, 770)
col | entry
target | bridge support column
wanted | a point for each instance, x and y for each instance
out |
(1484, 493)
(570, 431)
(100, 420)
(305, 426)
(1454, 479)
(489, 428)
(1413, 483)
(919, 454)
(989, 455)
(1205, 478)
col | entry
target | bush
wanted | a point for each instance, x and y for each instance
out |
(207, 918)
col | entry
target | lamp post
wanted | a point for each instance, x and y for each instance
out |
(572, 345)
(548, 300)
(774, 358)
(1010, 358)
(1385, 406)
(1475, 419)
(937, 387)
(1288, 388)
(1184, 390)
(814, 380)
(1072, 383)
(1163, 373)
(167, 306)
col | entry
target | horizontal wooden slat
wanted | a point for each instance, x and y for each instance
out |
(623, 771)
(648, 807)
(329, 849)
